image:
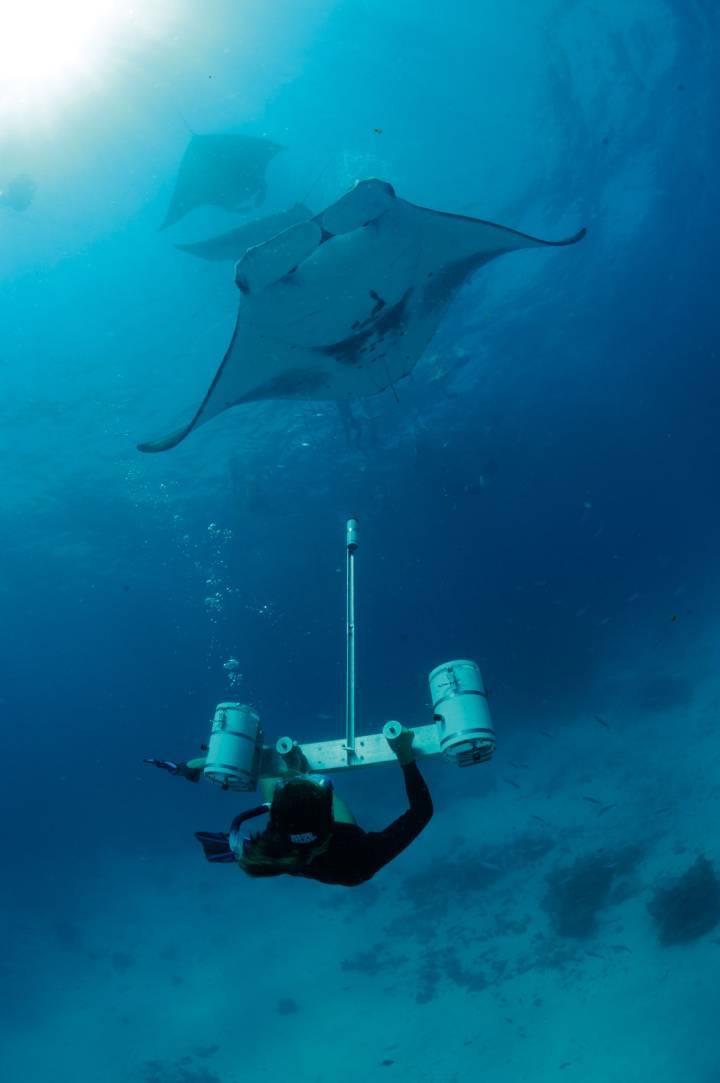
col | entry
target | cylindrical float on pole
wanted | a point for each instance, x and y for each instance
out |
(233, 748)
(460, 709)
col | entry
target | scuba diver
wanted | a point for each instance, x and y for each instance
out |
(311, 832)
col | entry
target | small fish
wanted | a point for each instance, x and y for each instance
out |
(601, 721)
(539, 819)
(606, 808)
(511, 782)
(378, 131)
(621, 948)
(592, 800)
(544, 733)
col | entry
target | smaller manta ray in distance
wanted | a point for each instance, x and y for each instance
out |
(232, 244)
(221, 170)
(342, 306)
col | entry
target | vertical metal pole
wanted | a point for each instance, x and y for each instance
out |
(351, 544)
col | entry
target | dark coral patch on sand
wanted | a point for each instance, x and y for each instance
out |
(689, 906)
(578, 893)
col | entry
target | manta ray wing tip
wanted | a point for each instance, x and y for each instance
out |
(165, 442)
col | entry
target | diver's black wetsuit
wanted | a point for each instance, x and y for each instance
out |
(354, 855)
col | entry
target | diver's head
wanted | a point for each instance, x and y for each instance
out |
(301, 810)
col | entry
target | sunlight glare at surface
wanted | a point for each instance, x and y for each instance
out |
(48, 46)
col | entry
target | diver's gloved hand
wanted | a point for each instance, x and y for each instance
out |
(402, 746)
(165, 765)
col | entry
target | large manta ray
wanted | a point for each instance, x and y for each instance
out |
(343, 305)
(221, 170)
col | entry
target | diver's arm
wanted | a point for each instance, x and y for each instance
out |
(387, 844)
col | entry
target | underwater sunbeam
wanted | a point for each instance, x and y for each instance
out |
(50, 49)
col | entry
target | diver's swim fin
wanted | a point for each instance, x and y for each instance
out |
(216, 846)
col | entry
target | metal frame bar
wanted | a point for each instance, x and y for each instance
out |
(327, 757)
(351, 544)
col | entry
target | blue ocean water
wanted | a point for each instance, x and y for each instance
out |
(539, 495)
